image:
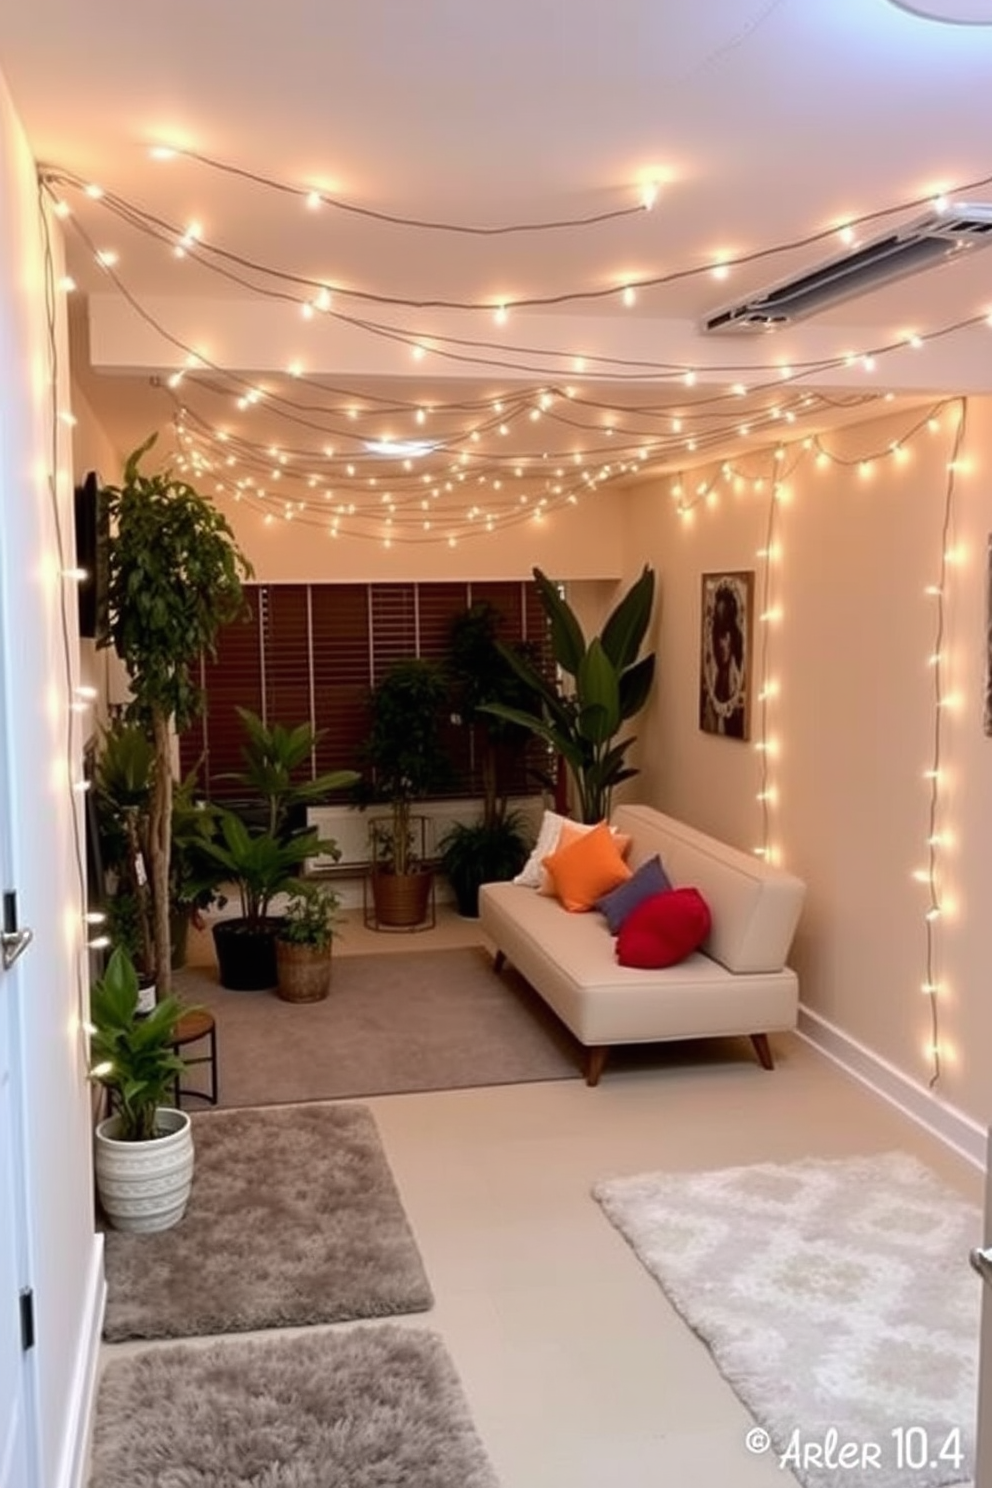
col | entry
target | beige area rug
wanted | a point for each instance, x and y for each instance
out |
(835, 1297)
(428, 1020)
(294, 1218)
(369, 1407)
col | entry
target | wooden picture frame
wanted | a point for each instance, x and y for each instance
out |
(725, 654)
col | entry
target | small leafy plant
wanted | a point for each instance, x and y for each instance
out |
(133, 1057)
(311, 916)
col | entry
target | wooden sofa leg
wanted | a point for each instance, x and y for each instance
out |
(499, 961)
(763, 1049)
(595, 1060)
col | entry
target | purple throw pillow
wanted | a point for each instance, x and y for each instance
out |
(649, 879)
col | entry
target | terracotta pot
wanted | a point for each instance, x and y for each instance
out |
(303, 972)
(401, 899)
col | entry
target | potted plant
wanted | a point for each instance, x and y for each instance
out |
(262, 862)
(495, 847)
(193, 883)
(474, 853)
(304, 941)
(123, 780)
(174, 577)
(144, 1148)
(609, 684)
(406, 761)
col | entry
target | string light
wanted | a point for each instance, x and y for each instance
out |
(935, 837)
(938, 838)
(232, 265)
(634, 426)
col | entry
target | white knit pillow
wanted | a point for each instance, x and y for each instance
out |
(547, 840)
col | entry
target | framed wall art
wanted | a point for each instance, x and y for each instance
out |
(725, 660)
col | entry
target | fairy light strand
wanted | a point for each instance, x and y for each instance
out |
(67, 638)
(931, 918)
(316, 196)
(226, 261)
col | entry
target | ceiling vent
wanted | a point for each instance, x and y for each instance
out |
(930, 240)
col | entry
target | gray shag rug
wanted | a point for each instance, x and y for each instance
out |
(836, 1300)
(392, 1023)
(368, 1407)
(294, 1218)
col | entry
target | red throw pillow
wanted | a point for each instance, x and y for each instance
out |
(664, 929)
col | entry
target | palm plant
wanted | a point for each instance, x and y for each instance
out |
(273, 755)
(259, 864)
(608, 684)
(262, 863)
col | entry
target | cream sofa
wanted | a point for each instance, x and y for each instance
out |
(738, 983)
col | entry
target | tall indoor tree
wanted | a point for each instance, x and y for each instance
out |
(174, 577)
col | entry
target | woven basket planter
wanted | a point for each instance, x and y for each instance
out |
(303, 973)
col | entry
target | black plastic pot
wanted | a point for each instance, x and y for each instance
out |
(246, 956)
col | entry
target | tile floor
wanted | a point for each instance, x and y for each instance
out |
(578, 1372)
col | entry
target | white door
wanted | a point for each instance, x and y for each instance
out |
(13, 1384)
(16, 1438)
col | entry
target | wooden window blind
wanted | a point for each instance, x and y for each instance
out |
(312, 652)
(285, 624)
(233, 678)
(341, 671)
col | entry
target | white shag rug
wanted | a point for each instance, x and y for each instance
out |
(835, 1297)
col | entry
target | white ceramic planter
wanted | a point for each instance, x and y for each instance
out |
(144, 1186)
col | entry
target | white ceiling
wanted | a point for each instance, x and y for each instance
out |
(762, 124)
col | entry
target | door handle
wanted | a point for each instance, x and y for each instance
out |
(13, 943)
(981, 1261)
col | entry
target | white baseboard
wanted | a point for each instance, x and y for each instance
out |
(79, 1408)
(951, 1126)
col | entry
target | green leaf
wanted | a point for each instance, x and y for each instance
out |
(598, 688)
(627, 626)
(635, 685)
(567, 641)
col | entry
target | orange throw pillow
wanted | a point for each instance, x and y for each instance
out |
(590, 865)
(571, 832)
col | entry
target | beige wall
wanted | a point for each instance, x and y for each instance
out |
(854, 722)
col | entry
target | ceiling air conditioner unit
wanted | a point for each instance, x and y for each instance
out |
(932, 239)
